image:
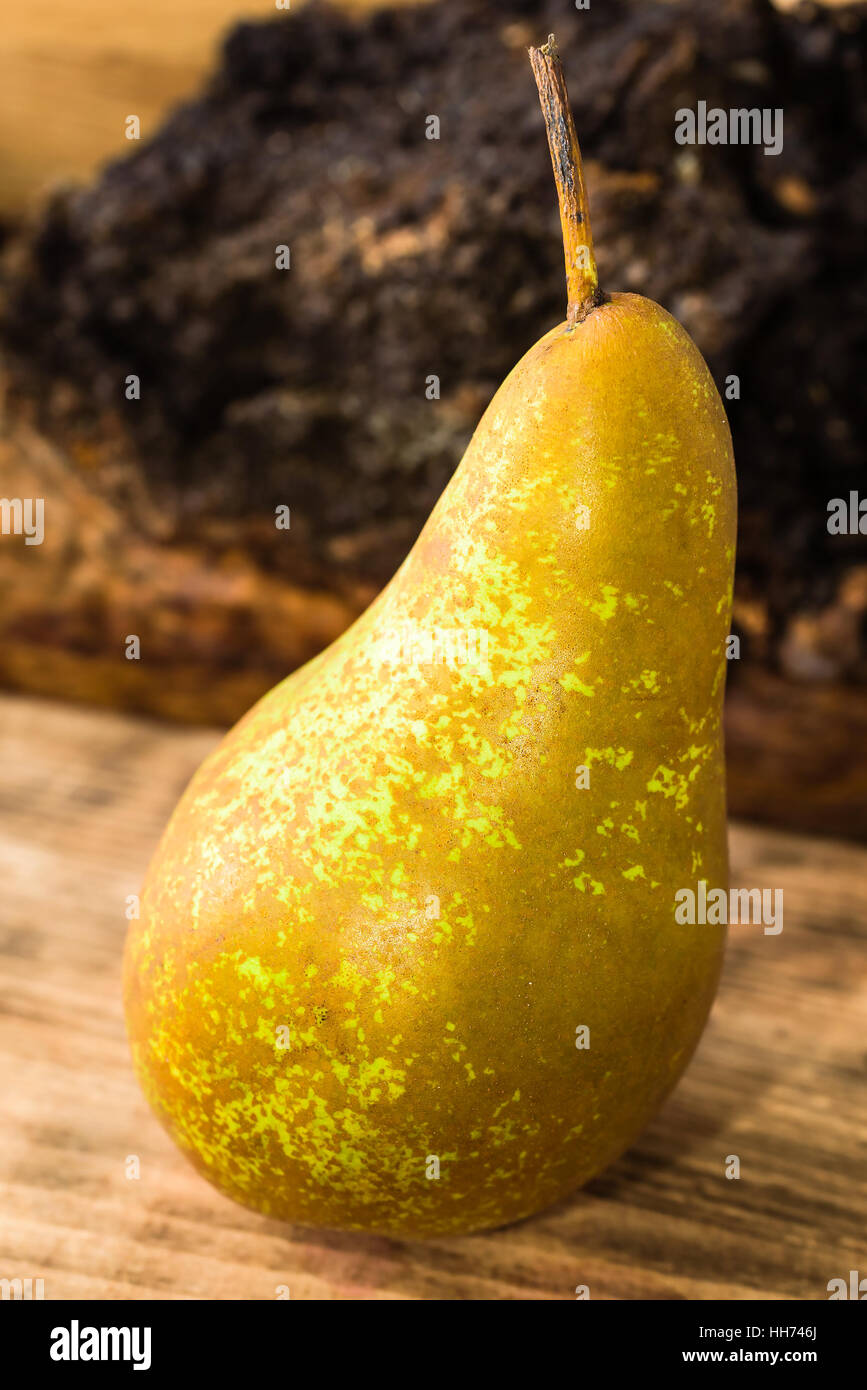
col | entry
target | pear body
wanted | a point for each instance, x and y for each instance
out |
(408, 959)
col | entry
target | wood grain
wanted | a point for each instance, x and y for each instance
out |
(70, 74)
(778, 1080)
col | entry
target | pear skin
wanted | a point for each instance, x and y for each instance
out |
(408, 958)
(390, 859)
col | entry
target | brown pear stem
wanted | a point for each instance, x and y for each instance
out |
(582, 280)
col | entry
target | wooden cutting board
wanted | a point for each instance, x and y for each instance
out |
(778, 1080)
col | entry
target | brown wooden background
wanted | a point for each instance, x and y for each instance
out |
(93, 64)
(778, 1080)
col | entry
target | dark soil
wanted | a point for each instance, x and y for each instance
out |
(413, 257)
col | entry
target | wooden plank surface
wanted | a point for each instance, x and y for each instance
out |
(70, 76)
(778, 1080)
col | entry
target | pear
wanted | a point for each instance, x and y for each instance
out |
(409, 957)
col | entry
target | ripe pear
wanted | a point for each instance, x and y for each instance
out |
(408, 958)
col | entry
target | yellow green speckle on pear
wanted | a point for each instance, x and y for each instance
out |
(383, 908)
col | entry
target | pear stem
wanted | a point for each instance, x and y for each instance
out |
(582, 280)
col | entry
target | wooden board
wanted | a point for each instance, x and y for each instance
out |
(778, 1080)
(70, 76)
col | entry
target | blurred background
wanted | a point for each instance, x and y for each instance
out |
(260, 388)
(154, 258)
